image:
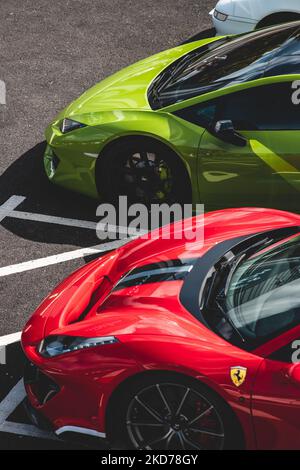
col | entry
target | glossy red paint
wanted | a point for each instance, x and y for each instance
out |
(156, 333)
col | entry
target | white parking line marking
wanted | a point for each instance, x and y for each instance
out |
(6, 341)
(8, 210)
(8, 406)
(10, 339)
(49, 219)
(28, 430)
(11, 401)
(8, 206)
(61, 258)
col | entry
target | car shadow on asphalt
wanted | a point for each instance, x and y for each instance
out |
(207, 33)
(26, 177)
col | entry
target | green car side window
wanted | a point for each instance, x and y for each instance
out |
(265, 108)
(203, 115)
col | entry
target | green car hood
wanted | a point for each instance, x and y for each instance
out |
(127, 89)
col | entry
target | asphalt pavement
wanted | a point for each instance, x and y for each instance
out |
(50, 52)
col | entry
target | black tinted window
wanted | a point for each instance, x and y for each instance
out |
(203, 115)
(241, 60)
(287, 60)
(267, 107)
(284, 354)
(284, 66)
(261, 108)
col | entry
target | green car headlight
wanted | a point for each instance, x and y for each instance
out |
(68, 125)
(220, 16)
(57, 345)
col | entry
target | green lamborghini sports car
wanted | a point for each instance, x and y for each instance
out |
(215, 121)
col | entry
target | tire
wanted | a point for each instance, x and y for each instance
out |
(277, 18)
(144, 170)
(160, 413)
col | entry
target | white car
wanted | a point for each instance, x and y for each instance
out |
(241, 16)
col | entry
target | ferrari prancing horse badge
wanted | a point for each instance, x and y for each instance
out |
(238, 375)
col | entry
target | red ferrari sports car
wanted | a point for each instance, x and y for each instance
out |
(168, 345)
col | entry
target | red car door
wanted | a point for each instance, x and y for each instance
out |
(276, 394)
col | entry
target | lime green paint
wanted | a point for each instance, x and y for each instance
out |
(277, 163)
(221, 175)
(127, 89)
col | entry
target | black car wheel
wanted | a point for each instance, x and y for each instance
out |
(278, 18)
(175, 414)
(144, 171)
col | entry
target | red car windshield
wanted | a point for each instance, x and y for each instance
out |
(238, 60)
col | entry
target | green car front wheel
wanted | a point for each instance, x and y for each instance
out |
(143, 170)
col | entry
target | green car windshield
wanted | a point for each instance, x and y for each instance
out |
(260, 297)
(233, 61)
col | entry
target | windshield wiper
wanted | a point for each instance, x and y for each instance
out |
(155, 94)
(160, 83)
(233, 269)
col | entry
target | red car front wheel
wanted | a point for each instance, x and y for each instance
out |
(177, 415)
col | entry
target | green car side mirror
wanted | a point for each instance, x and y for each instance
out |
(225, 131)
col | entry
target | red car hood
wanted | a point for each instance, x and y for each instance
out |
(85, 305)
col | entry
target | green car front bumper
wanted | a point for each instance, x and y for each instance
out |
(76, 174)
(67, 165)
